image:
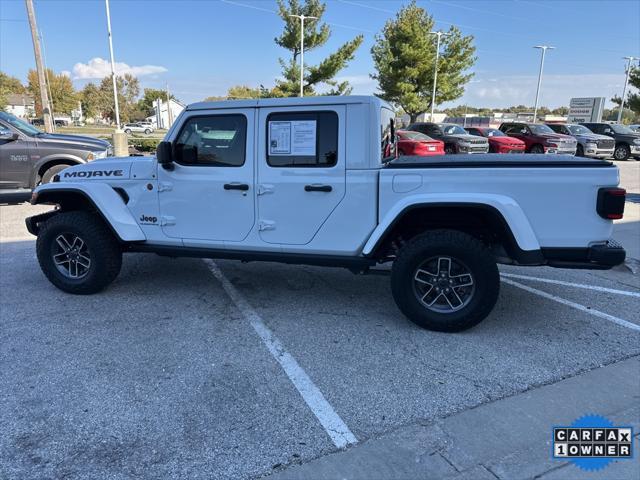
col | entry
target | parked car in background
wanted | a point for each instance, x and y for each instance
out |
(454, 137)
(539, 138)
(627, 141)
(498, 142)
(416, 143)
(137, 128)
(589, 144)
(635, 127)
(29, 157)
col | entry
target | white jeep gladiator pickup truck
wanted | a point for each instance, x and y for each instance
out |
(303, 180)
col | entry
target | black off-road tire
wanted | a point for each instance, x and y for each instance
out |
(48, 175)
(622, 152)
(105, 251)
(458, 245)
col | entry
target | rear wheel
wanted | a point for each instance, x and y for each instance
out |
(127, 131)
(78, 253)
(622, 152)
(445, 280)
(147, 131)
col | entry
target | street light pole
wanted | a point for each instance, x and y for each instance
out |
(544, 49)
(626, 82)
(42, 83)
(439, 35)
(113, 67)
(302, 18)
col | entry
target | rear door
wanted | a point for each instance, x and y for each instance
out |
(301, 171)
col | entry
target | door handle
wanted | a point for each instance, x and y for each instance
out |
(236, 186)
(317, 188)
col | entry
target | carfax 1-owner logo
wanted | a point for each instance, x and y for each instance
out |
(592, 442)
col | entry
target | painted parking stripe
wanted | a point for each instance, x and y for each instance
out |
(577, 306)
(570, 284)
(321, 408)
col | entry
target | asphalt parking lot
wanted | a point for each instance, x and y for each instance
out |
(196, 369)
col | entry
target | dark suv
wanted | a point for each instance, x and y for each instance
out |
(29, 157)
(627, 141)
(539, 138)
(456, 139)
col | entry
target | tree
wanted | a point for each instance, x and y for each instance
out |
(243, 91)
(150, 95)
(404, 55)
(63, 96)
(128, 89)
(91, 101)
(632, 102)
(316, 34)
(9, 85)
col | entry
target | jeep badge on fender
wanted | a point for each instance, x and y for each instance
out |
(283, 184)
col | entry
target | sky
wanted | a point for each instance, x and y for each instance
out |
(201, 48)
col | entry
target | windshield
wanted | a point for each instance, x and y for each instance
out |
(621, 129)
(21, 125)
(494, 132)
(454, 130)
(579, 130)
(538, 129)
(410, 135)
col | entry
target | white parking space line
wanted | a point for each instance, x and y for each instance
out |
(570, 284)
(577, 306)
(321, 408)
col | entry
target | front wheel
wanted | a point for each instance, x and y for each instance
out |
(78, 253)
(537, 149)
(449, 149)
(445, 280)
(147, 131)
(622, 152)
(48, 175)
(580, 151)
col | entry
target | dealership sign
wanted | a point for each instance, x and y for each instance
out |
(587, 109)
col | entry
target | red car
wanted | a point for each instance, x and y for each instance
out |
(499, 142)
(416, 143)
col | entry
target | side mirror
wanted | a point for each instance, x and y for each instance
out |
(7, 135)
(164, 154)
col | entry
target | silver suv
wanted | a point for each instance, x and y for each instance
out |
(137, 128)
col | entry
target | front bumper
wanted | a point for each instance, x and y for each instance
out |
(597, 257)
(599, 152)
(561, 150)
(635, 150)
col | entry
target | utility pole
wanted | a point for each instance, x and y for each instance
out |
(626, 82)
(302, 18)
(52, 108)
(439, 34)
(544, 49)
(44, 97)
(113, 68)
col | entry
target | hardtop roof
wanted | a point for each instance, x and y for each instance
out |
(288, 102)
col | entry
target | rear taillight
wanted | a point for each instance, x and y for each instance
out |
(611, 203)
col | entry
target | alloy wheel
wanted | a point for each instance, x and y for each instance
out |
(71, 256)
(443, 284)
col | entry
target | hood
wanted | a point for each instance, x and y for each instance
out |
(467, 137)
(506, 140)
(110, 168)
(555, 136)
(592, 136)
(74, 141)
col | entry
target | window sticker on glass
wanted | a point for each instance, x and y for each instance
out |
(296, 137)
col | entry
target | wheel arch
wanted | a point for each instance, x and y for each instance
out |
(101, 199)
(501, 224)
(46, 163)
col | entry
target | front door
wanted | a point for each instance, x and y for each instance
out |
(301, 171)
(209, 193)
(15, 163)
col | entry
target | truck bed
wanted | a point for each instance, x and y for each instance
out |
(488, 160)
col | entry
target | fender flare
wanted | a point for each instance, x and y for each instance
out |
(107, 202)
(508, 209)
(64, 158)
